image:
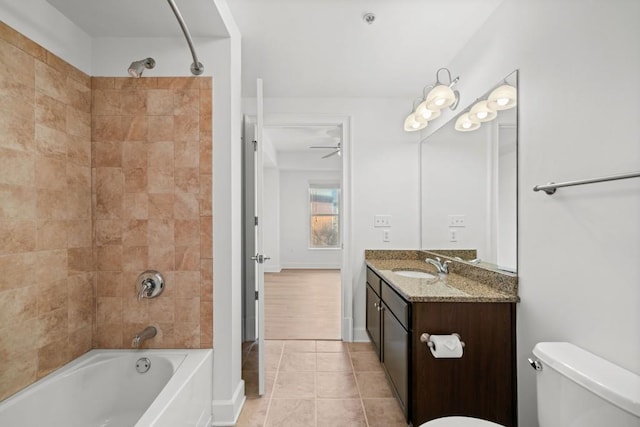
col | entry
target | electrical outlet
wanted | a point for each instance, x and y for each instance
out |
(453, 235)
(457, 221)
(382, 221)
(386, 235)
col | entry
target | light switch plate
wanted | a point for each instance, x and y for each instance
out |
(457, 221)
(382, 221)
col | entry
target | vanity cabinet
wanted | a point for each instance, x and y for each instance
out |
(482, 383)
(388, 328)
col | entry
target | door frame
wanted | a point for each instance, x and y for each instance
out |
(346, 277)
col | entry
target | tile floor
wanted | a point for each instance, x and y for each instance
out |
(323, 384)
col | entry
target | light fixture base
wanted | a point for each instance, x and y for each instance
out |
(197, 69)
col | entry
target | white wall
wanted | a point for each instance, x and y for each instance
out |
(384, 174)
(578, 249)
(45, 25)
(294, 216)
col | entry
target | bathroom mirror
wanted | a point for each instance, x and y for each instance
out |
(469, 181)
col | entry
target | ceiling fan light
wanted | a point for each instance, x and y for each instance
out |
(466, 123)
(425, 114)
(440, 97)
(412, 125)
(482, 112)
(503, 98)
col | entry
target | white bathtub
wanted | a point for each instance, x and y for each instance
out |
(102, 388)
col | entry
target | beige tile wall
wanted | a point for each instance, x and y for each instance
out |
(88, 201)
(47, 301)
(151, 141)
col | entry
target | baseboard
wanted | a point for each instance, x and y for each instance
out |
(360, 335)
(311, 266)
(347, 329)
(272, 268)
(226, 412)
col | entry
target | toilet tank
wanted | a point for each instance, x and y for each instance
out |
(576, 388)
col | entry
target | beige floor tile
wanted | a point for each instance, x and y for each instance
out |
(384, 413)
(254, 413)
(365, 361)
(292, 413)
(251, 383)
(335, 385)
(299, 346)
(340, 413)
(274, 345)
(298, 362)
(373, 384)
(360, 346)
(331, 346)
(333, 362)
(295, 385)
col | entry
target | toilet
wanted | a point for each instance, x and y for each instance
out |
(575, 388)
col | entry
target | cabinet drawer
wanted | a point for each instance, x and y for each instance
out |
(373, 280)
(398, 306)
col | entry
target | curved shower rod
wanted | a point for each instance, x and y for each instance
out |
(196, 68)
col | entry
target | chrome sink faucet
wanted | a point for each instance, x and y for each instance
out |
(146, 334)
(442, 267)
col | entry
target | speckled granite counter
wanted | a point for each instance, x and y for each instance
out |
(446, 288)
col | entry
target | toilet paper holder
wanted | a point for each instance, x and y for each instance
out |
(425, 338)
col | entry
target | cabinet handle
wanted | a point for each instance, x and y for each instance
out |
(375, 304)
(380, 308)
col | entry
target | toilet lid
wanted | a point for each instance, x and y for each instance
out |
(459, 422)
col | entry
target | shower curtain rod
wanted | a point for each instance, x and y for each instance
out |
(196, 68)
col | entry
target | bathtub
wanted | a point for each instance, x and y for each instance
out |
(103, 388)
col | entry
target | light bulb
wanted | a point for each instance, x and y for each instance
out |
(503, 98)
(440, 97)
(412, 125)
(482, 112)
(465, 123)
(424, 114)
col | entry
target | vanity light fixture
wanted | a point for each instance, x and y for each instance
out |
(503, 98)
(441, 95)
(466, 123)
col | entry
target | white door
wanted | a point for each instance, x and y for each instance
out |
(253, 257)
(259, 256)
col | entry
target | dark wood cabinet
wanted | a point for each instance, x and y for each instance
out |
(482, 383)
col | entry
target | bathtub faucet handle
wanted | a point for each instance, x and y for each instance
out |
(150, 284)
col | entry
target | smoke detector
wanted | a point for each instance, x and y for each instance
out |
(369, 18)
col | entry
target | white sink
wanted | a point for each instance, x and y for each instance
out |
(415, 274)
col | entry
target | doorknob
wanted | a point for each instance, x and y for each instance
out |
(259, 258)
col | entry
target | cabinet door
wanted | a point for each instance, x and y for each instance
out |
(395, 353)
(373, 319)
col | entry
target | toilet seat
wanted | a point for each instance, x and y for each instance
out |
(459, 422)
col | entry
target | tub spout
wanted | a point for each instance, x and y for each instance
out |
(147, 333)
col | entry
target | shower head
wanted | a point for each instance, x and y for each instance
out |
(137, 67)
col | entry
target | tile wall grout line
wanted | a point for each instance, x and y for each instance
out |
(275, 381)
(366, 419)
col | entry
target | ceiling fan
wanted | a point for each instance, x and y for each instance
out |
(336, 149)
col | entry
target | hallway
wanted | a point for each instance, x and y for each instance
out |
(303, 304)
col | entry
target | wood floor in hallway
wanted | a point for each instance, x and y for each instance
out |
(302, 304)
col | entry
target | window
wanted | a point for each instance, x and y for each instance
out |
(324, 208)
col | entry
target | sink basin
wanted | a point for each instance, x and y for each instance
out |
(415, 274)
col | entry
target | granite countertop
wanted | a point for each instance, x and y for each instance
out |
(444, 288)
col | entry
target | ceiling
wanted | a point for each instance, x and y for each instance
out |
(142, 18)
(309, 48)
(300, 138)
(323, 48)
